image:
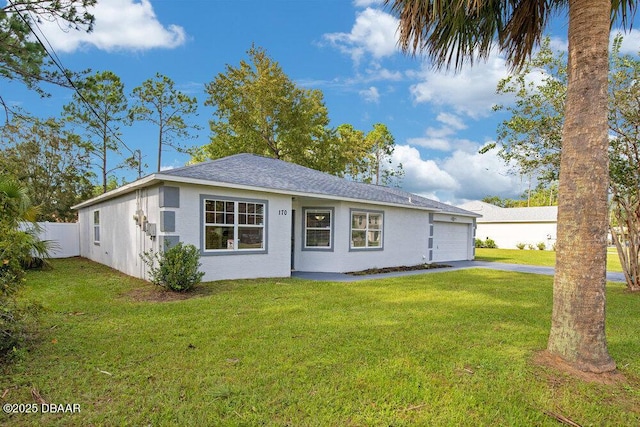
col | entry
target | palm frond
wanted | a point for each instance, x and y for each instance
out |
(623, 11)
(454, 32)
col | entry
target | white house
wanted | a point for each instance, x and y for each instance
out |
(252, 216)
(509, 227)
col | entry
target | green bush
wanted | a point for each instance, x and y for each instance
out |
(175, 268)
(487, 243)
(520, 246)
(541, 246)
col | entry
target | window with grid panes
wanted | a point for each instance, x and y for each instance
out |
(231, 225)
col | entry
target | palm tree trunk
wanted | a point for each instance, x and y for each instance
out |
(578, 320)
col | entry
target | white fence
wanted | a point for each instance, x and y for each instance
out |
(65, 237)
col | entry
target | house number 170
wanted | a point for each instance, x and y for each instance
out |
(282, 212)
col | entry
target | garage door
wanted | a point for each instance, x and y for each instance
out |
(450, 241)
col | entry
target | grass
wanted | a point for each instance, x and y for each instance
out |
(451, 348)
(536, 257)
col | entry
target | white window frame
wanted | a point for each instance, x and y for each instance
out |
(366, 229)
(233, 245)
(96, 227)
(306, 228)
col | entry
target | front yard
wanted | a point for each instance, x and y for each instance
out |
(536, 257)
(454, 348)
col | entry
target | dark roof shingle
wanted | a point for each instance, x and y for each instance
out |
(273, 174)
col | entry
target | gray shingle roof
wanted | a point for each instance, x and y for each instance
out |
(492, 213)
(272, 174)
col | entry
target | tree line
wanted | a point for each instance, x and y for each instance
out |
(257, 109)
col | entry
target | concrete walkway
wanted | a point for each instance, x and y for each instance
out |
(455, 265)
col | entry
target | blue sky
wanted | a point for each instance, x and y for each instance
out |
(347, 49)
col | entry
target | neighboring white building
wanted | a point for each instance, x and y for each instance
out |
(252, 216)
(511, 226)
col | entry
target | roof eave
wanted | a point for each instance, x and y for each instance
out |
(160, 177)
(140, 183)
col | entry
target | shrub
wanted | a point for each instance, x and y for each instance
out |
(487, 243)
(530, 247)
(541, 246)
(175, 268)
(490, 243)
(520, 246)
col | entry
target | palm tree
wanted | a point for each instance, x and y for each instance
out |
(455, 31)
(19, 242)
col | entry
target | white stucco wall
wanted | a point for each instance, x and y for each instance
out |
(405, 239)
(508, 235)
(276, 262)
(407, 234)
(121, 240)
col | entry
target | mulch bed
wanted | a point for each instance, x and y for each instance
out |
(396, 269)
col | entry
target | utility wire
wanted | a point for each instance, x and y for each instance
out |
(58, 63)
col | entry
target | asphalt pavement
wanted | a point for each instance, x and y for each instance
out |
(454, 265)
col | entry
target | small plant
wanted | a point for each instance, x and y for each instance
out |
(541, 246)
(487, 243)
(530, 247)
(176, 268)
(490, 243)
(520, 246)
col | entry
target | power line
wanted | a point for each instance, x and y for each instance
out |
(58, 63)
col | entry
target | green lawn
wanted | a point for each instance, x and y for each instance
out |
(451, 348)
(536, 257)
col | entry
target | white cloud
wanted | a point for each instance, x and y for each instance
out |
(366, 3)
(370, 95)
(464, 175)
(471, 92)
(374, 33)
(441, 138)
(440, 144)
(480, 175)
(421, 176)
(452, 120)
(119, 25)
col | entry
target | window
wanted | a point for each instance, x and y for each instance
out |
(317, 228)
(232, 225)
(366, 230)
(96, 227)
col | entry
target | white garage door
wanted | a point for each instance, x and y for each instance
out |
(450, 241)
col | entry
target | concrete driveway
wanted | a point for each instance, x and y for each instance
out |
(455, 265)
